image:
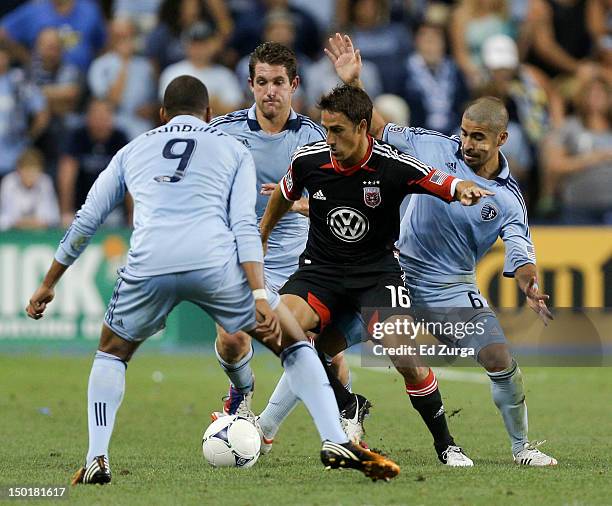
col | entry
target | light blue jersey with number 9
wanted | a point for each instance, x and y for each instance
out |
(194, 196)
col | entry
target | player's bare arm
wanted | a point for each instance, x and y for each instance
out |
(527, 278)
(277, 207)
(299, 206)
(46, 291)
(347, 63)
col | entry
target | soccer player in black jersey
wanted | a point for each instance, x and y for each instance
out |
(355, 185)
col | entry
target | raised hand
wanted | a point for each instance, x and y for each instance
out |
(346, 59)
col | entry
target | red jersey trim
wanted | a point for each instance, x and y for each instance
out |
(286, 185)
(321, 309)
(361, 164)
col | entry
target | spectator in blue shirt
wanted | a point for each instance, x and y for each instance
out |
(80, 24)
(126, 80)
(384, 43)
(433, 85)
(23, 112)
(61, 85)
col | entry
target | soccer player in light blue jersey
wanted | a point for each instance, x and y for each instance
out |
(272, 131)
(195, 239)
(440, 246)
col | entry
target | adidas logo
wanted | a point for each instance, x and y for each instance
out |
(319, 195)
(440, 412)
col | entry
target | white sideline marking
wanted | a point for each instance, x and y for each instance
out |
(444, 373)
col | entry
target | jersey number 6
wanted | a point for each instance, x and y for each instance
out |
(184, 157)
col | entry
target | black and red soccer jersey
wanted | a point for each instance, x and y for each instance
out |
(354, 212)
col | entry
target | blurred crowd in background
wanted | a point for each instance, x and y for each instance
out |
(80, 78)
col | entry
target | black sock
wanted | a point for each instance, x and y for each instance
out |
(426, 399)
(343, 397)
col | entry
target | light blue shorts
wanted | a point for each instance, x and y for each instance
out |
(140, 306)
(276, 276)
(458, 304)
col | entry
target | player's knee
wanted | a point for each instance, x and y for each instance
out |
(114, 345)
(495, 357)
(413, 375)
(232, 347)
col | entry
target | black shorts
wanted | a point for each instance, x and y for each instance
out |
(334, 289)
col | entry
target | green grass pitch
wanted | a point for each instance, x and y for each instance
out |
(156, 456)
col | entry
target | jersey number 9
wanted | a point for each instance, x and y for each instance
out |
(184, 156)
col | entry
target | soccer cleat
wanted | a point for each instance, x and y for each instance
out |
(98, 472)
(236, 403)
(353, 416)
(530, 455)
(266, 444)
(352, 456)
(454, 456)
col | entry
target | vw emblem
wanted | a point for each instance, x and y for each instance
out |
(347, 224)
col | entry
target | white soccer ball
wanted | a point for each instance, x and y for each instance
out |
(231, 441)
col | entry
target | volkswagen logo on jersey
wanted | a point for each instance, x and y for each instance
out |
(488, 212)
(371, 196)
(347, 224)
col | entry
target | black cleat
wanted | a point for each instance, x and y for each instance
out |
(352, 456)
(98, 472)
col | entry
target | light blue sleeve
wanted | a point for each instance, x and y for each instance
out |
(401, 137)
(517, 240)
(106, 193)
(242, 218)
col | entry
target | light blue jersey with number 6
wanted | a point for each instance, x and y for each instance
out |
(194, 197)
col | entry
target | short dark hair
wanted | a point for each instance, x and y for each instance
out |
(489, 111)
(353, 102)
(274, 53)
(185, 95)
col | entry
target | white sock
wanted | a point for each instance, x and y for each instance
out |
(104, 396)
(308, 381)
(349, 383)
(240, 374)
(281, 404)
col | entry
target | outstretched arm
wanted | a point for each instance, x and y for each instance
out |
(347, 62)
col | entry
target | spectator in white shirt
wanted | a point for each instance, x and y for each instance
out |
(203, 44)
(27, 197)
